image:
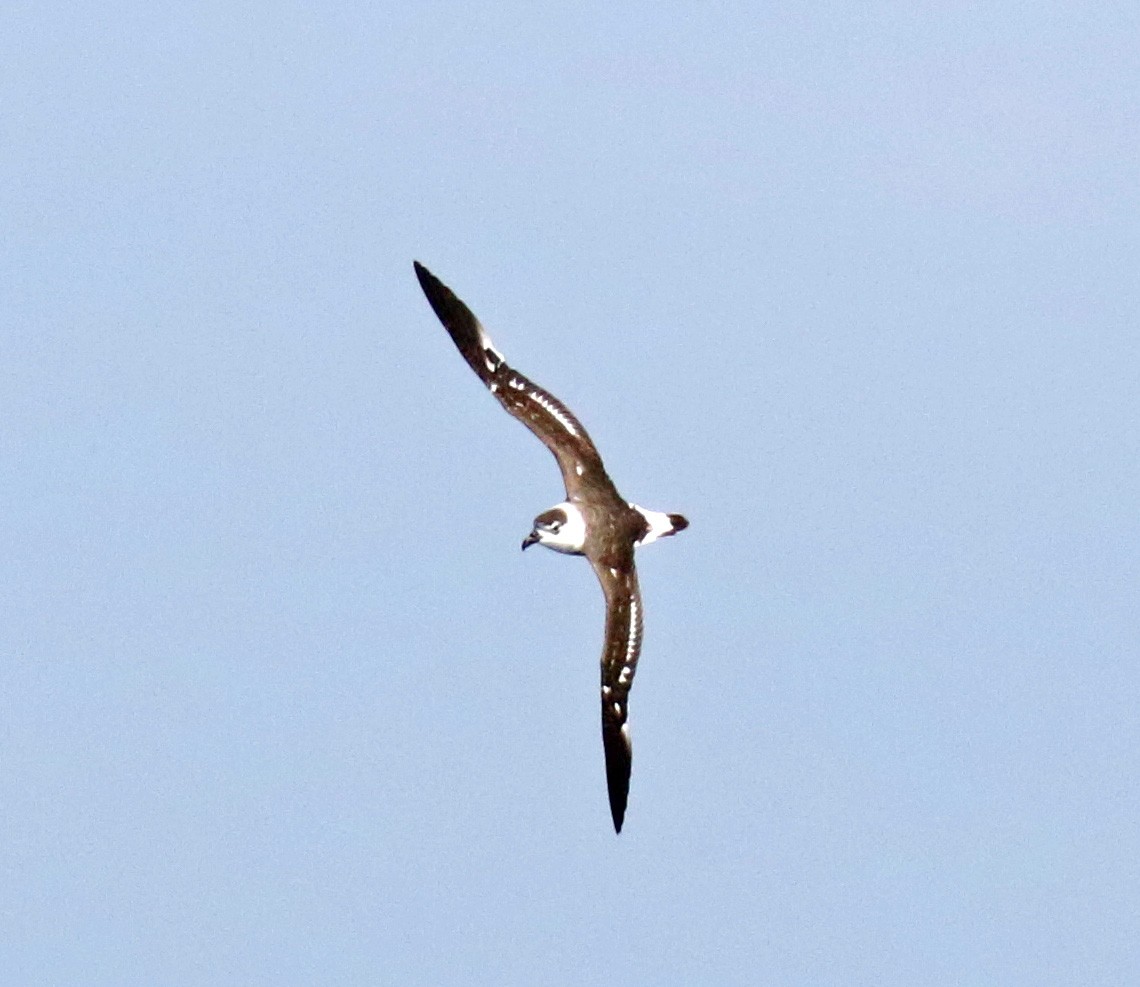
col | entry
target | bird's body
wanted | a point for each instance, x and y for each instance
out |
(594, 520)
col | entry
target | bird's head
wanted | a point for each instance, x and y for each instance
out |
(562, 528)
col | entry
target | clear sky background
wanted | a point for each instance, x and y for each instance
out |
(852, 286)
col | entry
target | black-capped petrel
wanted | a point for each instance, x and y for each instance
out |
(594, 520)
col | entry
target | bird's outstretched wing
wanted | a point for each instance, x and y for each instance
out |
(619, 664)
(536, 408)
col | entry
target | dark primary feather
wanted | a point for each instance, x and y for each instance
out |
(538, 409)
(619, 665)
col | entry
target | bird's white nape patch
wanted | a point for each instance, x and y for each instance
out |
(659, 524)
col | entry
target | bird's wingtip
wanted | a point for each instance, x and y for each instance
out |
(428, 281)
(618, 802)
(618, 763)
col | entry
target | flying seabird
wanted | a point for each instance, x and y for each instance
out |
(594, 520)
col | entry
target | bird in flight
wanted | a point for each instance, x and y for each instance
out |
(594, 520)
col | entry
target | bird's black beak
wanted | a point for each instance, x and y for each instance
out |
(529, 540)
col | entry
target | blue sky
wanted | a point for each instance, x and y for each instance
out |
(853, 287)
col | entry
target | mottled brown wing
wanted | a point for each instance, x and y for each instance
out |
(619, 664)
(536, 408)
